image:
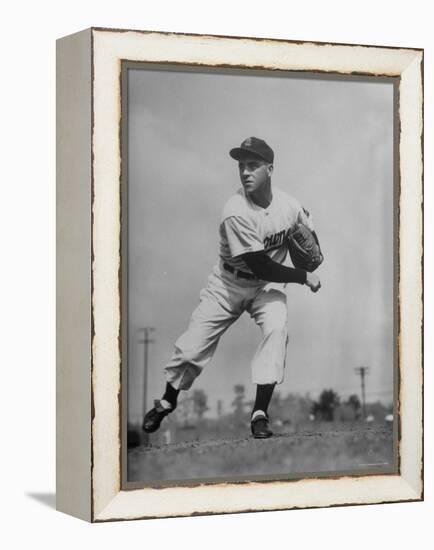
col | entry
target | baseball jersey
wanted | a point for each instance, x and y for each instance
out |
(246, 227)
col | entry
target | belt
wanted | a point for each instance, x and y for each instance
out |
(238, 273)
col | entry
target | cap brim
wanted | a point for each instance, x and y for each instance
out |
(239, 153)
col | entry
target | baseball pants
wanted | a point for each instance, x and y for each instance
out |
(223, 300)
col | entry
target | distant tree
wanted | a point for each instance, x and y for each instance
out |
(219, 408)
(354, 403)
(326, 405)
(185, 412)
(277, 398)
(200, 403)
(238, 402)
(293, 408)
(377, 409)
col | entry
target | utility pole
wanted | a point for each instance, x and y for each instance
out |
(146, 341)
(362, 372)
(219, 408)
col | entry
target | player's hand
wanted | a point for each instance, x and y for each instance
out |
(313, 282)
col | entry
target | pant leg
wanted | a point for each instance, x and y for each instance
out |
(269, 310)
(217, 310)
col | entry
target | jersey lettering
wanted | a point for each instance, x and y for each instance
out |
(276, 240)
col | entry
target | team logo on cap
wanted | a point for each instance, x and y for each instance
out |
(248, 142)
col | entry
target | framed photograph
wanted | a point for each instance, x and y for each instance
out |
(240, 285)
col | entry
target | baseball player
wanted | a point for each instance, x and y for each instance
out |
(249, 276)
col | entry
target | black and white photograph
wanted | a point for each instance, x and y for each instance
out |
(258, 275)
(129, 134)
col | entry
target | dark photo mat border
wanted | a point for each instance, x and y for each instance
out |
(126, 65)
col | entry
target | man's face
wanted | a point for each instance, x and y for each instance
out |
(254, 173)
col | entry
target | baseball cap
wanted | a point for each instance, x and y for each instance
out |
(253, 146)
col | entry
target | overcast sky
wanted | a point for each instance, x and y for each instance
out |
(333, 143)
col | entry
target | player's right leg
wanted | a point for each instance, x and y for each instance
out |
(216, 311)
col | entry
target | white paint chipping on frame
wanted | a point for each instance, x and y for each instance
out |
(270, 54)
(410, 273)
(255, 496)
(109, 48)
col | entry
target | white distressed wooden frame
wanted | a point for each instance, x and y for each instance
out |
(88, 263)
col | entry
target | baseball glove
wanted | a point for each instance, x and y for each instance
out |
(304, 249)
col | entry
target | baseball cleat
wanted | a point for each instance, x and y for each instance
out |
(260, 428)
(154, 417)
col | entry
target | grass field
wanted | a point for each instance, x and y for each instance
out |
(358, 449)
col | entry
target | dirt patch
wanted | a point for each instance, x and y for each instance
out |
(358, 450)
